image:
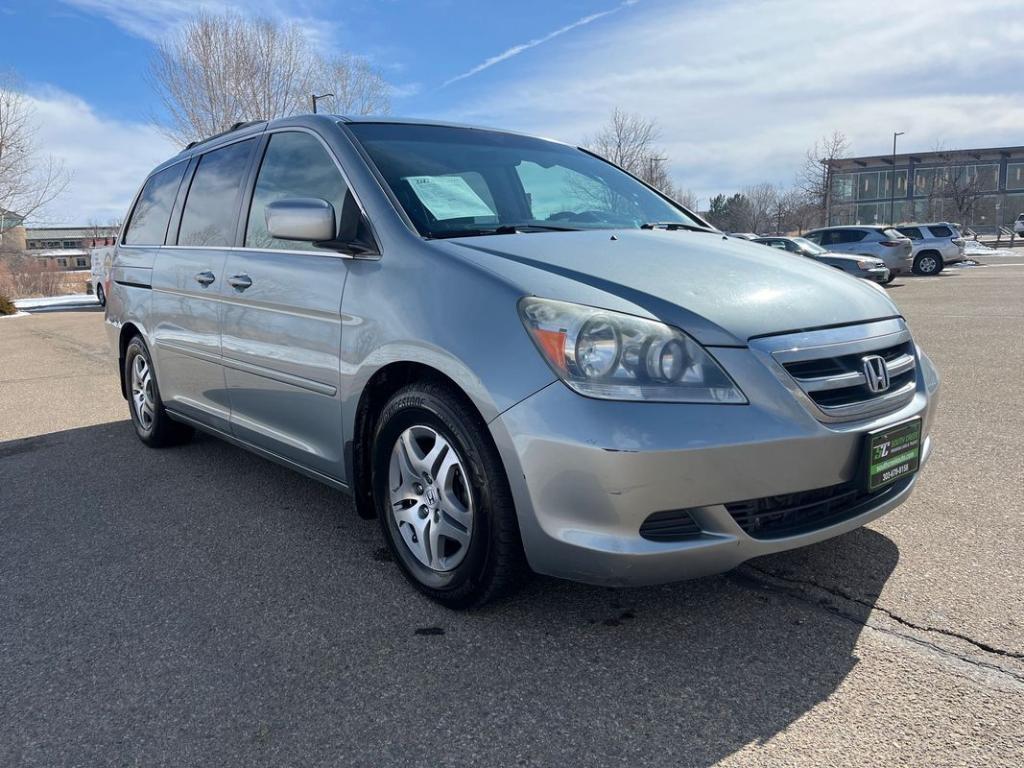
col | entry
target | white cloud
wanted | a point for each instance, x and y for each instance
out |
(153, 20)
(515, 50)
(741, 89)
(108, 159)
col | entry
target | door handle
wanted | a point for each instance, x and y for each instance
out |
(205, 278)
(241, 282)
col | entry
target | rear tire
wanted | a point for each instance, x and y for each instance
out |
(443, 499)
(101, 295)
(149, 417)
(928, 264)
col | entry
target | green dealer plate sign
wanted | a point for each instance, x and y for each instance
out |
(893, 453)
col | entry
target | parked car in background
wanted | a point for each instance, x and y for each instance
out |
(1018, 225)
(884, 243)
(934, 246)
(511, 353)
(866, 267)
(99, 277)
(744, 235)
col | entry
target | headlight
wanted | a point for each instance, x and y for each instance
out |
(868, 264)
(615, 356)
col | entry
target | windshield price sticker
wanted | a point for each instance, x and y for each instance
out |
(448, 197)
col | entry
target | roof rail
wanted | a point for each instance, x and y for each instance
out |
(235, 127)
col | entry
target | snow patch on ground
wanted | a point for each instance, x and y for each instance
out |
(16, 314)
(56, 301)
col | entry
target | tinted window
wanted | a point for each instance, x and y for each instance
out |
(148, 224)
(941, 231)
(295, 165)
(814, 237)
(212, 205)
(912, 232)
(850, 235)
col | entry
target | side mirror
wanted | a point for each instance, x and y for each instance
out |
(308, 219)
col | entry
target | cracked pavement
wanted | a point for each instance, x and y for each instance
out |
(200, 606)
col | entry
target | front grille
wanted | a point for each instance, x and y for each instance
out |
(838, 381)
(790, 514)
(827, 368)
(670, 525)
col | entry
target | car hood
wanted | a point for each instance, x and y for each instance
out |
(720, 290)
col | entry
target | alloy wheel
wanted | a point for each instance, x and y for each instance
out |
(142, 392)
(431, 499)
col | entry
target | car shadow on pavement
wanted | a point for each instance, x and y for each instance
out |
(200, 605)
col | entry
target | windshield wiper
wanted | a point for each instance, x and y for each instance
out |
(503, 229)
(672, 226)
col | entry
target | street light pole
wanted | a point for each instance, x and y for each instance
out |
(892, 182)
(316, 98)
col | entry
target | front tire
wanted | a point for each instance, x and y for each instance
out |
(152, 424)
(443, 499)
(101, 295)
(928, 264)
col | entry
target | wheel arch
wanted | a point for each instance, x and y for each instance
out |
(127, 332)
(375, 393)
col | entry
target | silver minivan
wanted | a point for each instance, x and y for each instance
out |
(514, 355)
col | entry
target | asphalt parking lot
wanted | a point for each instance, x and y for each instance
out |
(201, 606)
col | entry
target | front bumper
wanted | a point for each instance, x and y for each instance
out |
(586, 473)
(876, 274)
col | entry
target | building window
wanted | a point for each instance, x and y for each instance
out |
(886, 184)
(984, 177)
(985, 214)
(62, 262)
(1015, 176)
(80, 262)
(1013, 206)
(867, 186)
(842, 186)
(872, 213)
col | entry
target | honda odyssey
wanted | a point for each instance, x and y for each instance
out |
(511, 353)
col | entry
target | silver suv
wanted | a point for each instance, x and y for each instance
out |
(511, 353)
(934, 246)
(883, 243)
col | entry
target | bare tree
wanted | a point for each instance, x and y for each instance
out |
(629, 141)
(28, 179)
(813, 176)
(762, 201)
(798, 212)
(686, 198)
(223, 69)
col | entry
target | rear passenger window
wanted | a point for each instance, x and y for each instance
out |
(211, 209)
(148, 224)
(941, 231)
(912, 232)
(851, 235)
(295, 165)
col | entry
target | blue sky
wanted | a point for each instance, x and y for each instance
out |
(739, 88)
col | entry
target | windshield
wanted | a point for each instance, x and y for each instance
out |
(455, 182)
(807, 246)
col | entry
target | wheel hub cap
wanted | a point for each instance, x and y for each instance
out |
(431, 500)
